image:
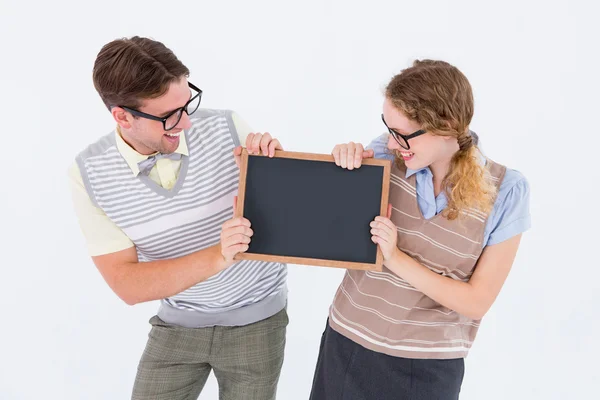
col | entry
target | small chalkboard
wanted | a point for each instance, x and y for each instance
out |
(304, 209)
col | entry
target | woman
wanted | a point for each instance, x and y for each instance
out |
(449, 240)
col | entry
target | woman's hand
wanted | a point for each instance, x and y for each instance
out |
(350, 155)
(384, 233)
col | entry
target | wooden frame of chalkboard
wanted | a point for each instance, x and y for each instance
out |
(371, 257)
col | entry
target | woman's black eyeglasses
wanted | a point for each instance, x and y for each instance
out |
(400, 138)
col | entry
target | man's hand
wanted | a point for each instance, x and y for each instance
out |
(235, 237)
(258, 143)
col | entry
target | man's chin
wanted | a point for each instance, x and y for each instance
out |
(167, 146)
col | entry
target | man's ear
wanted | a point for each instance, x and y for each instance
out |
(121, 117)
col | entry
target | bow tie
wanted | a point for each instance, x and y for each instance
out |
(146, 165)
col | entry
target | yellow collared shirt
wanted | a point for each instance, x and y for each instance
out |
(101, 234)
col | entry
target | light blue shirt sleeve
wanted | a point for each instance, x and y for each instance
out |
(510, 215)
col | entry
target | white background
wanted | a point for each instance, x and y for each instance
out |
(310, 72)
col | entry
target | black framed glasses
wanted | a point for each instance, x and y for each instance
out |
(400, 138)
(171, 120)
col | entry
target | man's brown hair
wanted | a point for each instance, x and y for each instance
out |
(129, 70)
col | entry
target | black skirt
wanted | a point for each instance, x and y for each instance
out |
(348, 371)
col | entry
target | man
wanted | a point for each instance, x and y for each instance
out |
(154, 201)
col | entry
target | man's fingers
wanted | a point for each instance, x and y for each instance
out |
(236, 222)
(264, 143)
(240, 248)
(253, 143)
(256, 143)
(235, 240)
(237, 155)
(230, 252)
(237, 230)
(274, 145)
(249, 140)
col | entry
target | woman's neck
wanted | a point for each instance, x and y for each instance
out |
(439, 170)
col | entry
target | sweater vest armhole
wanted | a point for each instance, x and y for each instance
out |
(86, 179)
(232, 129)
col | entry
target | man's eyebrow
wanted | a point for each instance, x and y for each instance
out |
(169, 112)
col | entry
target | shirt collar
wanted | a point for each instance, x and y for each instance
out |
(411, 172)
(132, 157)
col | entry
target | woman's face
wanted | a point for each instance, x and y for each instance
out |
(425, 149)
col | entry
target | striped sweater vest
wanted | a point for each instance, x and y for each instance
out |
(165, 224)
(384, 313)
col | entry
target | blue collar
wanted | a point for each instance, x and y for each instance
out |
(411, 172)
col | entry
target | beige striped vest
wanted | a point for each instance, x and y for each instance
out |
(384, 313)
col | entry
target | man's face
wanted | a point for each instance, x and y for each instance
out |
(147, 136)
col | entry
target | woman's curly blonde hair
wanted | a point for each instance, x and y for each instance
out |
(439, 97)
